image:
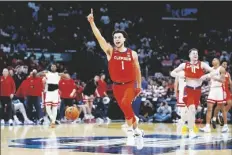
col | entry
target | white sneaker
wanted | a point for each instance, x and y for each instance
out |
(17, 122)
(205, 129)
(91, 116)
(86, 117)
(28, 122)
(130, 137)
(192, 134)
(11, 122)
(2, 122)
(225, 129)
(124, 126)
(138, 133)
(108, 120)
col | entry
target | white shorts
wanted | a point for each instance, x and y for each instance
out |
(216, 94)
(52, 98)
(180, 102)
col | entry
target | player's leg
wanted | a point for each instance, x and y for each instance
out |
(224, 113)
(48, 104)
(54, 108)
(211, 101)
(15, 108)
(22, 110)
(228, 105)
(192, 100)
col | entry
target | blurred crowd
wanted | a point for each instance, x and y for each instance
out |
(63, 27)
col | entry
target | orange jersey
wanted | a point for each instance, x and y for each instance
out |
(227, 81)
(121, 66)
(194, 71)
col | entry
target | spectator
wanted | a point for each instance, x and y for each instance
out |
(163, 113)
(7, 91)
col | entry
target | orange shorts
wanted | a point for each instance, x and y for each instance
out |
(192, 96)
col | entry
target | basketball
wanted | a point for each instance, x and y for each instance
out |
(72, 113)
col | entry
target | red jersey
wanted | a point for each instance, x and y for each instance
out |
(22, 90)
(102, 87)
(7, 86)
(35, 86)
(121, 66)
(79, 93)
(194, 71)
(66, 87)
(227, 81)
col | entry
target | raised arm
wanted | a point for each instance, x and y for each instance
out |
(106, 47)
(175, 73)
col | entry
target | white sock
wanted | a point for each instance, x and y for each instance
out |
(207, 125)
(49, 111)
(54, 114)
(191, 116)
(225, 125)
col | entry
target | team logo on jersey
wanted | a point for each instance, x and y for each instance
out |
(149, 145)
(122, 58)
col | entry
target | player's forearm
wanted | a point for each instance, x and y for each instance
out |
(73, 91)
(138, 78)
(96, 31)
(174, 74)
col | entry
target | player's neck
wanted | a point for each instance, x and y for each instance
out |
(122, 49)
(193, 61)
(216, 66)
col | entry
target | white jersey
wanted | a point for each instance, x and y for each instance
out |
(52, 78)
(217, 74)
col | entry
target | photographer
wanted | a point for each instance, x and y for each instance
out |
(163, 112)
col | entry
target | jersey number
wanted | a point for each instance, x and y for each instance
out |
(122, 65)
(193, 68)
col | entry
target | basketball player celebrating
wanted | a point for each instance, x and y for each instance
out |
(52, 97)
(124, 71)
(216, 93)
(193, 73)
(227, 85)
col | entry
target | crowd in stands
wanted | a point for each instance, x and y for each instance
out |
(63, 27)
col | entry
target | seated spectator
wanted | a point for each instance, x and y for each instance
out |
(163, 113)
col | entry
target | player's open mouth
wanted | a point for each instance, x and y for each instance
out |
(117, 43)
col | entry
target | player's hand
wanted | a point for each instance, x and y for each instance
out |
(71, 95)
(11, 96)
(137, 91)
(90, 16)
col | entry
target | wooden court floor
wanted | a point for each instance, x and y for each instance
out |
(94, 139)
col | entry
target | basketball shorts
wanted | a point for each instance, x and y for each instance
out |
(216, 95)
(52, 98)
(180, 102)
(88, 98)
(192, 95)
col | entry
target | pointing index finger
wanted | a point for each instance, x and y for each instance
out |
(91, 10)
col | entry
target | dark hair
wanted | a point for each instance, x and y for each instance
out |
(120, 31)
(224, 60)
(102, 74)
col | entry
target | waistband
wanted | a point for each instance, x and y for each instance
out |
(121, 83)
(194, 88)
